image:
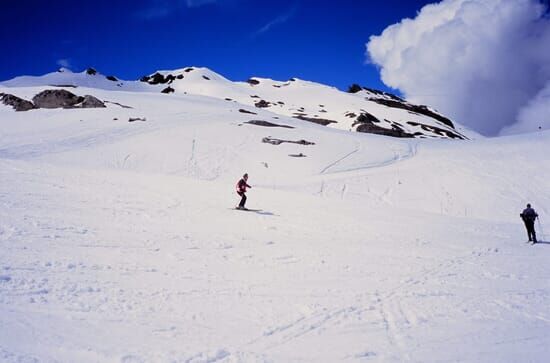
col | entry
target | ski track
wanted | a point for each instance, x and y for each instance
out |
(130, 258)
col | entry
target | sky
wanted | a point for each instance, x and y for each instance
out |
(484, 63)
(322, 41)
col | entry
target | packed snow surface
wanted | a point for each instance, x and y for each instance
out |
(119, 241)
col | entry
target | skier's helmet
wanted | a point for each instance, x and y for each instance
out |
(528, 205)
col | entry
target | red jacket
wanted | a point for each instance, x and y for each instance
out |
(241, 186)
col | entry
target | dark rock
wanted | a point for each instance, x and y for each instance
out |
(254, 96)
(228, 99)
(267, 124)
(17, 103)
(367, 124)
(253, 82)
(246, 111)
(262, 104)
(157, 78)
(439, 131)
(351, 115)
(371, 128)
(168, 90)
(64, 99)
(132, 119)
(208, 79)
(382, 93)
(90, 71)
(300, 155)
(365, 117)
(274, 141)
(320, 121)
(56, 99)
(112, 78)
(91, 102)
(423, 110)
(179, 76)
(354, 88)
(189, 69)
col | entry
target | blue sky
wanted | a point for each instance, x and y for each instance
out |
(322, 41)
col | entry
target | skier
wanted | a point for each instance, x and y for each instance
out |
(241, 190)
(529, 215)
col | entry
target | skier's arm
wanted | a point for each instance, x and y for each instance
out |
(248, 186)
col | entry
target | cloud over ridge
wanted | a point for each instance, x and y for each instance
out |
(485, 63)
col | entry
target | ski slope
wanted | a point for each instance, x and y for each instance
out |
(119, 242)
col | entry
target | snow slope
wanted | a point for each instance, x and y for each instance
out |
(365, 110)
(119, 242)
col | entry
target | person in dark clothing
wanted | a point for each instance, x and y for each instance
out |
(529, 215)
(241, 190)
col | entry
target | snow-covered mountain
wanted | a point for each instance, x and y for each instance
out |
(361, 109)
(119, 241)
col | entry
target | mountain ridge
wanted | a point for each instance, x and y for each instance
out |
(361, 109)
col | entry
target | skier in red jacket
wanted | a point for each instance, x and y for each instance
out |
(241, 190)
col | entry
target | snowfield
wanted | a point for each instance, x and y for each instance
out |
(119, 241)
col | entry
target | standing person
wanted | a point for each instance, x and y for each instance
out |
(529, 215)
(241, 190)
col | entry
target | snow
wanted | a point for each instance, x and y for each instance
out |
(292, 98)
(119, 242)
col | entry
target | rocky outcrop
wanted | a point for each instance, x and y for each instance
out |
(56, 99)
(274, 141)
(437, 130)
(17, 103)
(420, 109)
(262, 104)
(64, 99)
(90, 102)
(242, 110)
(267, 124)
(320, 121)
(367, 123)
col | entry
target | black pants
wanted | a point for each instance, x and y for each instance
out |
(243, 199)
(530, 225)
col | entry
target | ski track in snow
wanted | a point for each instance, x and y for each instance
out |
(119, 243)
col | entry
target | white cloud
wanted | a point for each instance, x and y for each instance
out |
(65, 63)
(278, 20)
(534, 116)
(482, 62)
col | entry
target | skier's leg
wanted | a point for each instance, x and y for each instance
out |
(243, 199)
(528, 230)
